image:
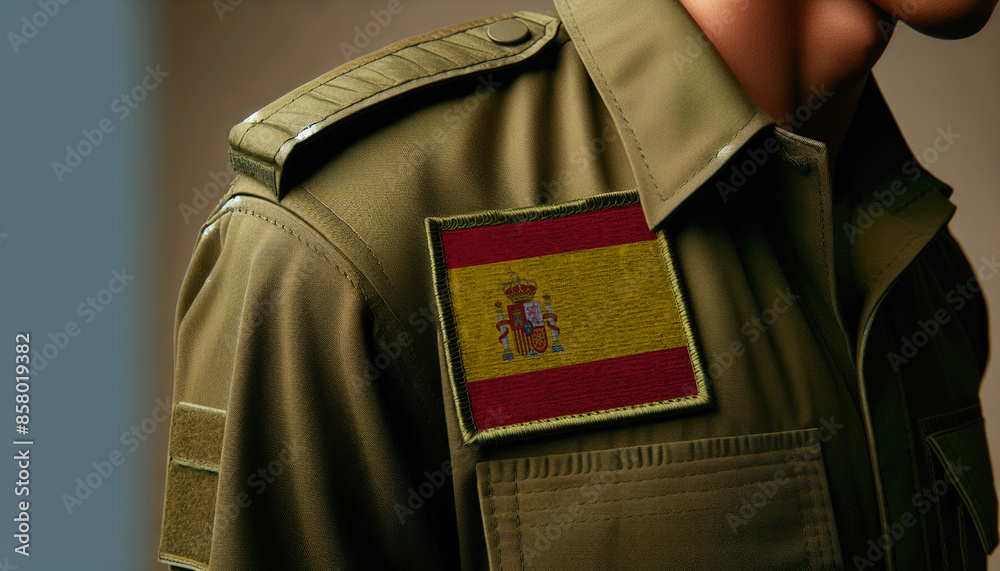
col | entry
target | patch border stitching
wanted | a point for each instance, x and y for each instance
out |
(456, 377)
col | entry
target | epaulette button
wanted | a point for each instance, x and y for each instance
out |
(509, 31)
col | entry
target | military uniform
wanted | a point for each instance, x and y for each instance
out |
(824, 348)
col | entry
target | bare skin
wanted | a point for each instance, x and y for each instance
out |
(782, 51)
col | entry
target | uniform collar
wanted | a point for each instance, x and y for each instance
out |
(682, 114)
(680, 110)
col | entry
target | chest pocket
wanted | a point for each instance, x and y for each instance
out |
(753, 502)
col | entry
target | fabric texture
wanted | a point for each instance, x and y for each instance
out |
(309, 315)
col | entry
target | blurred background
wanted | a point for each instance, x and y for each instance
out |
(95, 238)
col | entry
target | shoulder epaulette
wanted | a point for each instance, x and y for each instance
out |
(265, 144)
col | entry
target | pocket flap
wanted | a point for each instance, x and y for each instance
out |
(757, 502)
(974, 482)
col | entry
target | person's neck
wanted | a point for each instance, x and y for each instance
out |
(803, 62)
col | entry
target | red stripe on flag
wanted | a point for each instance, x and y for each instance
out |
(488, 244)
(587, 387)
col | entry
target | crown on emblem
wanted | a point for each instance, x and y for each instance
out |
(520, 289)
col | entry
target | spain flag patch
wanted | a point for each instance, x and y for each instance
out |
(562, 316)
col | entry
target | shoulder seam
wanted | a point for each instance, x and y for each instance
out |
(356, 235)
(248, 212)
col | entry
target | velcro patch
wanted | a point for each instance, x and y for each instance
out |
(561, 316)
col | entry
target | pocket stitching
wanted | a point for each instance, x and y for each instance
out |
(815, 494)
(961, 485)
(517, 519)
(801, 440)
(496, 520)
(937, 509)
(655, 495)
(818, 553)
(658, 512)
(814, 501)
(548, 490)
(805, 532)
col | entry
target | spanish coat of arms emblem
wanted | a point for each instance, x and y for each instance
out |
(526, 321)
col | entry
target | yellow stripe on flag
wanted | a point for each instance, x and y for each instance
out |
(610, 302)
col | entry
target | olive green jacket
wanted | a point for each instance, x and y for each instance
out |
(840, 335)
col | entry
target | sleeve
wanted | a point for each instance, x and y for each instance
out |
(283, 454)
